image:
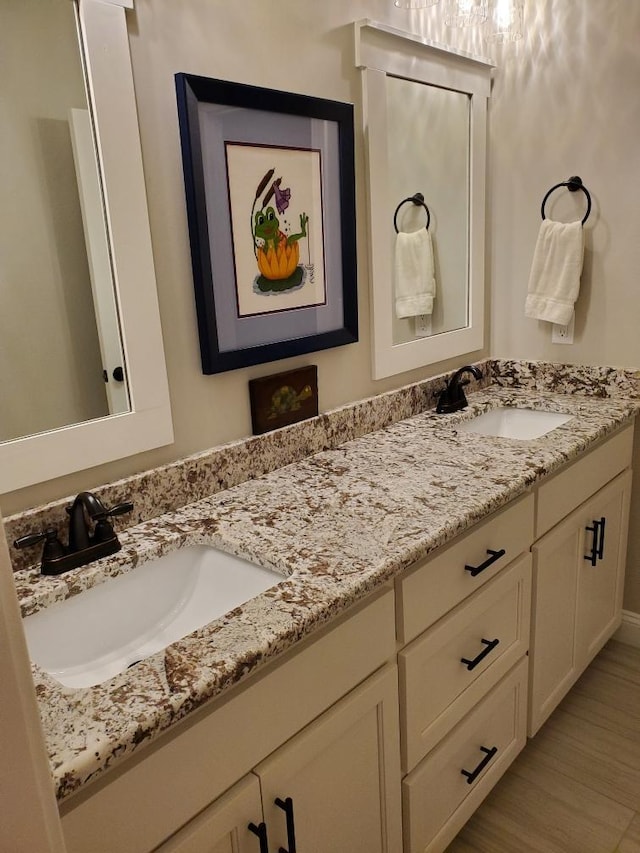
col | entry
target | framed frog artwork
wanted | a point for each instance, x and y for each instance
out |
(269, 181)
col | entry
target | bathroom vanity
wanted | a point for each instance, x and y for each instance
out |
(437, 605)
(440, 591)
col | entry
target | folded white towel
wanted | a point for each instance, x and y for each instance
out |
(554, 282)
(414, 277)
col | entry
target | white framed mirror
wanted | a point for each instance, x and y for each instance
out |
(425, 126)
(116, 277)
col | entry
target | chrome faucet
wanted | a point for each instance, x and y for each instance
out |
(452, 398)
(85, 545)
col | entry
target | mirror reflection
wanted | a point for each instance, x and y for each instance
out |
(59, 332)
(428, 143)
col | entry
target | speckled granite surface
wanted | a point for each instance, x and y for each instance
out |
(336, 525)
(603, 382)
(185, 481)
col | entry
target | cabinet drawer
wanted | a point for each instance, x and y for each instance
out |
(570, 487)
(490, 631)
(437, 798)
(431, 588)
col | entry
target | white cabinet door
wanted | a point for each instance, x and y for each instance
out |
(223, 827)
(578, 573)
(601, 581)
(336, 785)
(552, 652)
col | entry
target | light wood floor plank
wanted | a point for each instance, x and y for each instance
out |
(631, 841)
(603, 760)
(607, 700)
(620, 660)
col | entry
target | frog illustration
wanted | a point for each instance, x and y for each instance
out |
(277, 254)
(267, 228)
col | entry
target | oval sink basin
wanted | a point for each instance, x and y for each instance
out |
(507, 422)
(93, 636)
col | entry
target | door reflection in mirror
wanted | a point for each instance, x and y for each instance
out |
(54, 354)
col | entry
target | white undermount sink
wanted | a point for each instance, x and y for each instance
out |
(509, 422)
(91, 637)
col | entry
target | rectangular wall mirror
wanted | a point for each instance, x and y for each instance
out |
(424, 111)
(84, 378)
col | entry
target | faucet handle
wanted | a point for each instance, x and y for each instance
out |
(104, 529)
(53, 547)
(48, 536)
(103, 512)
(120, 509)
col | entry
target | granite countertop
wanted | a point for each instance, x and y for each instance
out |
(336, 525)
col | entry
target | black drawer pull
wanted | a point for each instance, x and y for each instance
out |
(261, 831)
(597, 544)
(472, 775)
(493, 556)
(489, 646)
(603, 521)
(287, 807)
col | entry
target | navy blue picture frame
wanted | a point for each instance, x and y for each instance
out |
(206, 108)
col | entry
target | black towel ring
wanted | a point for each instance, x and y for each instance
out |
(418, 200)
(573, 184)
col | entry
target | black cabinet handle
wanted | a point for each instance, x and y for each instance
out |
(489, 646)
(603, 521)
(493, 556)
(597, 544)
(472, 775)
(287, 807)
(593, 556)
(261, 831)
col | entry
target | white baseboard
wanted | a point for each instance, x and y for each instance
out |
(629, 630)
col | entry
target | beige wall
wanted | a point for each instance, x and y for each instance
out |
(567, 103)
(564, 102)
(303, 47)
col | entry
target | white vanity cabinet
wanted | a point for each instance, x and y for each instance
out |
(463, 679)
(342, 773)
(386, 729)
(319, 726)
(578, 571)
(551, 581)
(328, 788)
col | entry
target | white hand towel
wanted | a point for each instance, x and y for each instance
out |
(414, 277)
(554, 282)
